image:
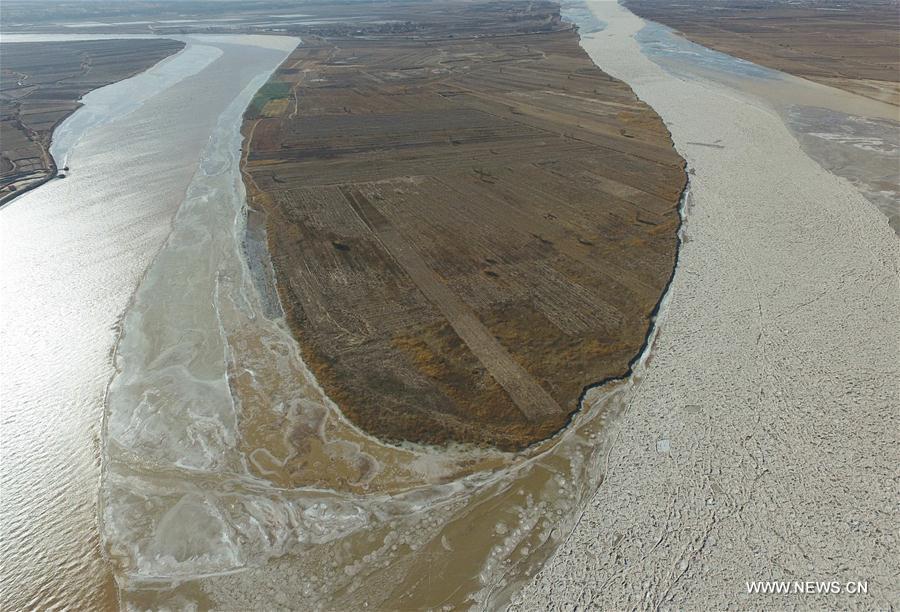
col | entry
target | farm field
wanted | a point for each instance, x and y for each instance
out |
(468, 226)
(842, 43)
(40, 85)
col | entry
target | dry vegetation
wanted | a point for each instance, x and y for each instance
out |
(850, 44)
(40, 85)
(468, 225)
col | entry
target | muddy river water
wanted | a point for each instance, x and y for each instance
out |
(143, 358)
(73, 252)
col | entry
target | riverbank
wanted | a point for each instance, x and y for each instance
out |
(44, 83)
(758, 442)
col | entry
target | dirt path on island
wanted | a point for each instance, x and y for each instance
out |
(528, 395)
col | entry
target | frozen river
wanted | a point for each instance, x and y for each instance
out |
(136, 338)
(760, 441)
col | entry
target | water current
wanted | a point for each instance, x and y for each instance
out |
(73, 252)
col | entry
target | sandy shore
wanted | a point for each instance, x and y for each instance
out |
(761, 440)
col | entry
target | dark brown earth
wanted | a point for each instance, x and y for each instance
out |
(40, 85)
(468, 225)
(850, 44)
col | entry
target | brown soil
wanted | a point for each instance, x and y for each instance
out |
(468, 226)
(850, 44)
(40, 85)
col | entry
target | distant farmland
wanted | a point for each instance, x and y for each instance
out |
(41, 84)
(842, 43)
